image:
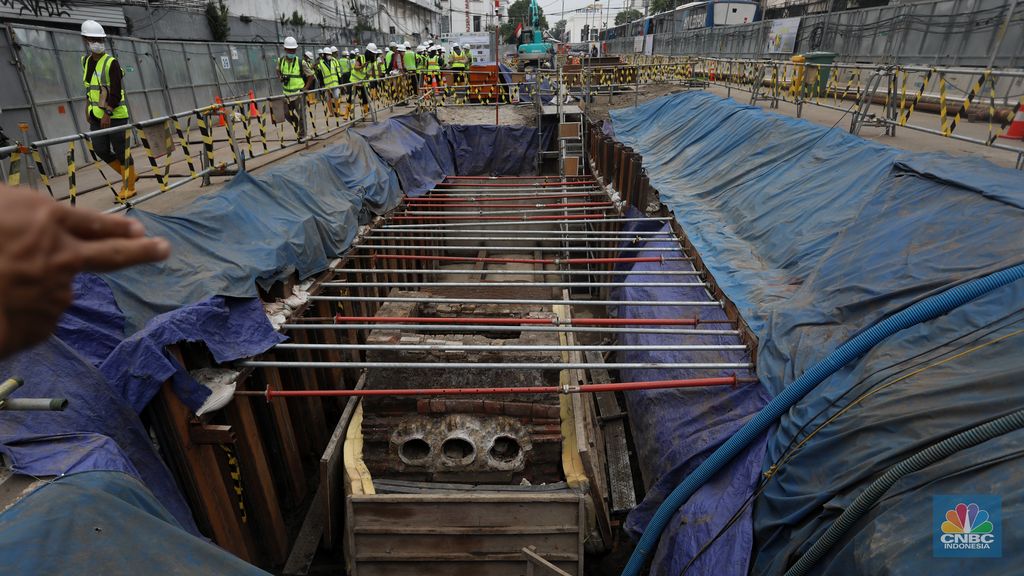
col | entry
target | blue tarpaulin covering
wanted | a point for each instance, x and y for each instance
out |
(59, 528)
(815, 235)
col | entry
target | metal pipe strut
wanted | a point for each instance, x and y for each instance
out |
(525, 209)
(454, 199)
(733, 380)
(553, 233)
(522, 328)
(516, 365)
(553, 261)
(552, 238)
(515, 301)
(558, 217)
(445, 206)
(523, 272)
(508, 348)
(544, 222)
(491, 321)
(519, 248)
(512, 284)
(524, 185)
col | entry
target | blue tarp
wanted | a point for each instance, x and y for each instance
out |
(58, 529)
(816, 234)
(676, 424)
(99, 430)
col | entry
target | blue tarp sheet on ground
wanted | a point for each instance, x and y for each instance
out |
(675, 424)
(99, 430)
(815, 235)
(58, 529)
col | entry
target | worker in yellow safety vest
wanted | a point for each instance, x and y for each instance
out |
(434, 64)
(327, 71)
(296, 77)
(411, 64)
(363, 70)
(460, 63)
(106, 105)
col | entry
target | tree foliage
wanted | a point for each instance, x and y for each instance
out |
(559, 30)
(627, 16)
(663, 5)
(217, 18)
(519, 13)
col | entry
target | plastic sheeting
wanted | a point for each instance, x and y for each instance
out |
(422, 151)
(816, 234)
(104, 523)
(99, 430)
(672, 428)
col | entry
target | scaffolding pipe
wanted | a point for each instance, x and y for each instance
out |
(524, 328)
(525, 209)
(552, 261)
(552, 238)
(430, 300)
(475, 218)
(512, 284)
(503, 365)
(270, 393)
(509, 348)
(553, 233)
(525, 186)
(501, 206)
(515, 223)
(454, 199)
(442, 271)
(491, 321)
(519, 248)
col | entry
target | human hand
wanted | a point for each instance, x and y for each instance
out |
(43, 245)
(105, 121)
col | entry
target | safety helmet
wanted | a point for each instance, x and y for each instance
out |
(455, 45)
(290, 43)
(392, 45)
(309, 54)
(334, 49)
(407, 45)
(401, 47)
(345, 53)
(319, 52)
(371, 47)
(93, 29)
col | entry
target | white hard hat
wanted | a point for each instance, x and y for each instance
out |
(407, 45)
(334, 49)
(371, 47)
(392, 45)
(319, 52)
(345, 53)
(401, 47)
(455, 45)
(93, 29)
(309, 54)
(290, 43)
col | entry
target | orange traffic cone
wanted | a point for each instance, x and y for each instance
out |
(220, 110)
(1016, 131)
(253, 112)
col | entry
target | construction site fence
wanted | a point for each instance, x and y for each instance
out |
(932, 100)
(948, 33)
(182, 147)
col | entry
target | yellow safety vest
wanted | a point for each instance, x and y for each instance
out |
(359, 74)
(291, 71)
(409, 59)
(97, 86)
(459, 60)
(433, 63)
(344, 65)
(330, 75)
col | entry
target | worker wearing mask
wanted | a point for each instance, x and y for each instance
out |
(469, 55)
(434, 65)
(327, 71)
(296, 77)
(106, 105)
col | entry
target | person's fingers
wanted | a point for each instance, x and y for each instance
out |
(113, 253)
(84, 223)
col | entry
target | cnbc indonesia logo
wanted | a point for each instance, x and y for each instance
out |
(967, 526)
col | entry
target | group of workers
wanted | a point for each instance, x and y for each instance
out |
(354, 73)
(343, 72)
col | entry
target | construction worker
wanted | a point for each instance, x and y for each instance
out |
(411, 64)
(106, 105)
(362, 71)
(469, 55)
(296, 78)
(460, 63)
(327, 71)
(434, 64)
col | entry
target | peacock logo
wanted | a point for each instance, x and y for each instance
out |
(967, 519)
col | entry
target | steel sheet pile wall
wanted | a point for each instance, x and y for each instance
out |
(816, 234)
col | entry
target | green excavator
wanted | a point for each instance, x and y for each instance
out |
(531, 47)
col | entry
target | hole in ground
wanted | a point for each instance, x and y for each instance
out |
(414, 449)
(505, 449)
(459, 450)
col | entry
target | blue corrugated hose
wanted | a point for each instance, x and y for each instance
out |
(854, 348)
(874, 492)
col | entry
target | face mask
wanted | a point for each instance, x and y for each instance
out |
(291, 55)
(96, 47)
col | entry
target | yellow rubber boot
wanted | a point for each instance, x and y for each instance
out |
(128, 184)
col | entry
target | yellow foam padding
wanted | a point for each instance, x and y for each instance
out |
(358, 481)
(572, 464)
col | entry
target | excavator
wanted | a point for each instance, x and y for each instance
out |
(532, 48)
